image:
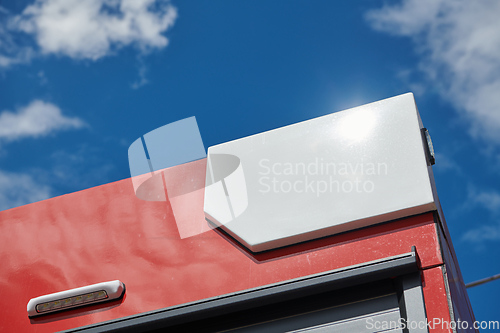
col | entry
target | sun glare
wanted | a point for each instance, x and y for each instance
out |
(357, 125)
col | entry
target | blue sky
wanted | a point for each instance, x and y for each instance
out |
(81, 80)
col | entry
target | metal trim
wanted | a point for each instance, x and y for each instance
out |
(287, 290)
(411, 302)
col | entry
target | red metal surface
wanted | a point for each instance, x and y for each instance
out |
(107, 233)
(462, 308)
(436, 300)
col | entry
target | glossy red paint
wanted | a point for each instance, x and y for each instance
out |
(460, 301)
(436, 300)
(107, 233)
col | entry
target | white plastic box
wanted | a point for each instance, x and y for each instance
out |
(324, 176)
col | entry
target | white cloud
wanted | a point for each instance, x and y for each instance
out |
(43, 78)
(68, 172)
(16, 56)
(92, 29)
(444, 163)
(18, 189)
(490, 232)
(36, 119)
(79, 169)
(459, 41)
(490, 200)
(10, 52)
(142, 80)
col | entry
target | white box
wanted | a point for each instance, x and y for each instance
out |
(324, 176)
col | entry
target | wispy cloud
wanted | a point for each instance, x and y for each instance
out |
(11, 52)
(446, 164)
(18, 189)
(487, 232)
(486, 199)
(142, 80)
(489, 200)
(87, 29)
(68, 172)
(459, 41)
(43, 78)
(36, 119)
(79, 169)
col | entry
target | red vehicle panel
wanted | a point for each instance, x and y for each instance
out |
(436, 301)
(106, 233)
